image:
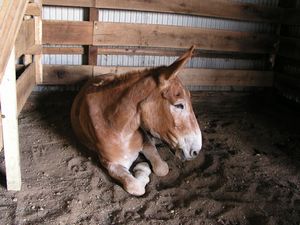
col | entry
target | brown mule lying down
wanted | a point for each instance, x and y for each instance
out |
(119, 116)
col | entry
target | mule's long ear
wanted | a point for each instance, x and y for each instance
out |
(176, 66)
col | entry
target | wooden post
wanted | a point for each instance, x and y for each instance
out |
(10, 125)
(92, 50)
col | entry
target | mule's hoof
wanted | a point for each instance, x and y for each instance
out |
(162, 169)
(143, 167)
(135, 188)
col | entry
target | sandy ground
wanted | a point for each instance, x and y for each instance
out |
(247, 173)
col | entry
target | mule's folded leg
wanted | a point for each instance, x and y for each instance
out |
(160, 167)
(133, 185)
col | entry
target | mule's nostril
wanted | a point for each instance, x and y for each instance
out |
(194, 153)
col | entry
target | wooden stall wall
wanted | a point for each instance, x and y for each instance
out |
(235, 40)
(288, 59)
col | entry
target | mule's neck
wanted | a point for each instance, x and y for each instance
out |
(125, 114)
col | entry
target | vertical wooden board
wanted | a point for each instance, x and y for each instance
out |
(38, 57)
(10, 125)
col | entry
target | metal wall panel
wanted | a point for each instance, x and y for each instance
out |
(196, 62)
(63, 13)
(127, 16)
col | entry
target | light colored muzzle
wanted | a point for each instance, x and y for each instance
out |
(189, 146)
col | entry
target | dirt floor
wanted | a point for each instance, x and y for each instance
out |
(247, 173)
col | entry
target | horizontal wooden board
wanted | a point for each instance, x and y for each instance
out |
(11, 16)
(208, 77)
(63, 50)
(67, 32)
(25, 85)
(290, 48)
(65, 75)
(108, 34)
(72, 3)
(213, 8)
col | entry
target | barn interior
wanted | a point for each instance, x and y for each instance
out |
(244, 78)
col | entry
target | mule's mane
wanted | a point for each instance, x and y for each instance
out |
(113, 80)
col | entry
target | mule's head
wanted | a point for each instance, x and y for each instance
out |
(168, 114)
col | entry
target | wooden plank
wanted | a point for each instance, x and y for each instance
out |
(25, 84)
(63, 50)
(38, 41)
(12, 15)
(289, 47)
(177, 52)
(72, 3)
(208, 77)
(25, 42)
(213, 8)
(33, 9)
(67, 32)
(10, 125)
(108, 34)
(65, 75)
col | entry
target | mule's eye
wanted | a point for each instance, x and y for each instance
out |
(179, 106)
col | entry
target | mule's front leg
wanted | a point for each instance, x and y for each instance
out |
(160, 167)
(134, 185)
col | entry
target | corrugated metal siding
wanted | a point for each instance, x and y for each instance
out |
(197, 62)
(63, 13)
(126, 16)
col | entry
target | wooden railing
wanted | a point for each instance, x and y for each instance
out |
(154, 40)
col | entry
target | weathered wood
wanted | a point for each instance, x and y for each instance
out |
(25, 85)
(72, 3)
(213, 8)
(67, 32)
(33, 9)
(38, 42)
(290, 48)
(108, 34)
(63, 50)
(25, 42)
(92, 50)
(11, 15)
(209, 77)
(10, 125)
(64, 75)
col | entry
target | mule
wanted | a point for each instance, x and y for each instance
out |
(119, 116)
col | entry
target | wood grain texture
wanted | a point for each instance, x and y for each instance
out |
(78, 3)
(33, 9)
(213, 8)
(26, 39)
(25, 85)
(67, 32)
(11, 16)
(208, 77)
(65, 75)
(10, 125)
(108, 34)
